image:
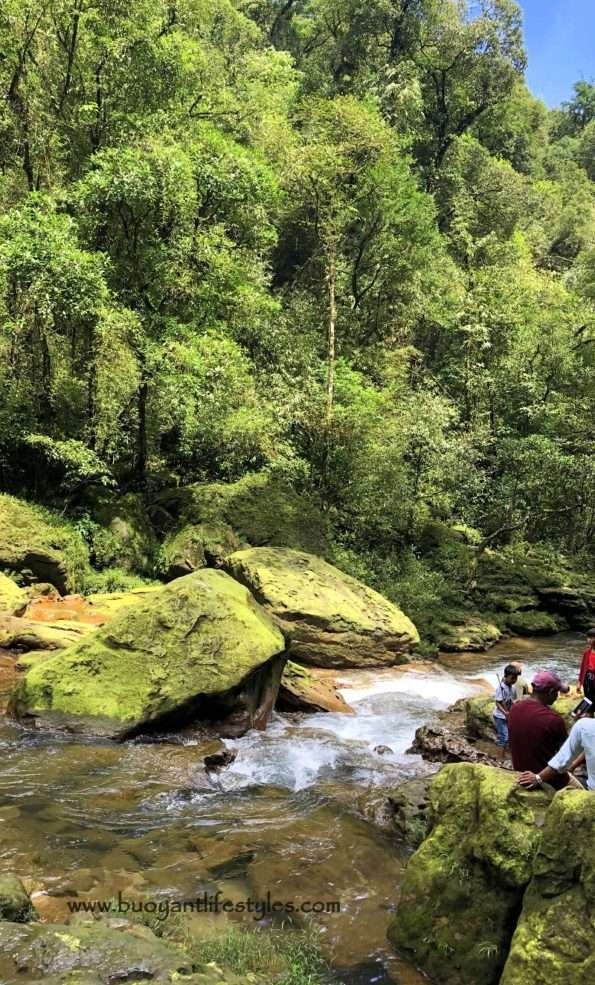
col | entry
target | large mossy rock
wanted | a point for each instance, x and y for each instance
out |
(329, 618)
(463, 887)
(15, 905)
(208, 521)
(529, 589)
(13, 600)
(41, 547)
(553, 941)
(175, 651)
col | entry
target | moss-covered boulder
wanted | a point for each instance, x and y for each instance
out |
(40, 546)
(111, 956)
(553, 941)
(463, 887)
(535, 623)
(329, 618)
(176, 651)
(15, 905)
(471, 633)
(198, 545)
(125, 538)
(205, 522)
(528, 588)
(304, 690)
(479, 723)
(13, 600)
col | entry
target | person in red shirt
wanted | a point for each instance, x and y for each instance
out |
(586, 675)
(535, 730)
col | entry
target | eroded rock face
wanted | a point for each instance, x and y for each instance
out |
(40, 546)
(464, 886)
(329, 618)
(553, 941)
(303, 690)
(196, 639)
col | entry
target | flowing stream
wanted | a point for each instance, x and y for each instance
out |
(83, 820)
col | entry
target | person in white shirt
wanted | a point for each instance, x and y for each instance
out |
(579, 745)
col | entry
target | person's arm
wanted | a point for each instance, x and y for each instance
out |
(583, 669)
(502, 708)
(569, 752)
(577, 762)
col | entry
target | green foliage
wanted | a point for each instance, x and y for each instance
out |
(337, 245)
(278, 958)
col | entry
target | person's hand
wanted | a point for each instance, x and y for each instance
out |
(528, 780)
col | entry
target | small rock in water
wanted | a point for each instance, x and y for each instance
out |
(383, 750)
(219, 760)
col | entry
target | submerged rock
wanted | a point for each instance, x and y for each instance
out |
(180, 650)
(15, 905)
(553, 941)
(303, 690)
(329, 618)
(409, 809)
(464, 886)
(41, 547)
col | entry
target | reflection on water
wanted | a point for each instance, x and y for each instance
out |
(94, 819)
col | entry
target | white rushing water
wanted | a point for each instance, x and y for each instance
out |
(389, 705)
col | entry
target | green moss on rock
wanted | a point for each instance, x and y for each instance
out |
(196, 546)
(472, 633)
(329, 618)
(553, 941)
(126, 539)
(464, 886)
(201, 635)
(535, 623)
(40, 546)
(214, 519)
(13, 600)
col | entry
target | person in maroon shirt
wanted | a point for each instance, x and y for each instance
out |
(535, 731)
(586, 676)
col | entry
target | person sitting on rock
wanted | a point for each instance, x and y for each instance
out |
(505, 696)
(586, 676)
(521, 688)
(535, 730)
(578, 748)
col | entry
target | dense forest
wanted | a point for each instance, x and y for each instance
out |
(336, 243)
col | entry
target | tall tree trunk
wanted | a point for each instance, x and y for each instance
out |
(141, 438)
(332, 330)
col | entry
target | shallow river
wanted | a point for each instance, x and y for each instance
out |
(87, 821)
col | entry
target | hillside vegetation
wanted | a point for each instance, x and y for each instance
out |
(336, 244)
